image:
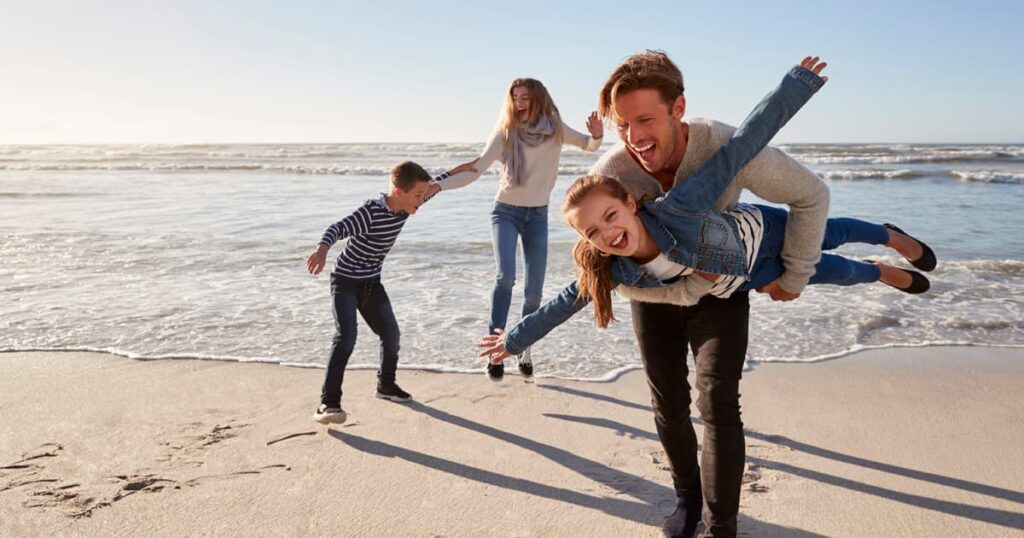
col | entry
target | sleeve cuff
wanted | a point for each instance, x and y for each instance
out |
(814, 82)
(793, 283)
(510, 345)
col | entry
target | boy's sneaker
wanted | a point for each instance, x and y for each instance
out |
(496, 372)
(391, 391)
(525, 363)
(330, 415)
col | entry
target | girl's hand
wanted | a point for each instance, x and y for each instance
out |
(775, 290)
(812, 63)
(316, 261)
(595, 126)
(493, 347)
(464, 167)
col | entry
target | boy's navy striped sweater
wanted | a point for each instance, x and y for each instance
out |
(371, 231)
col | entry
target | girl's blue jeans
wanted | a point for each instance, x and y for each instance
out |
(831, 269)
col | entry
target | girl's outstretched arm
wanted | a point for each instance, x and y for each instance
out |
(699, 192)
(533, 327)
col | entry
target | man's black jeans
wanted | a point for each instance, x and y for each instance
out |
(716, 330)
(367, 296)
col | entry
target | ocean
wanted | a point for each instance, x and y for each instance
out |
(198, 251)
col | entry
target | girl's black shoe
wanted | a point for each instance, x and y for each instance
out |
(927, 261)
(918, 283)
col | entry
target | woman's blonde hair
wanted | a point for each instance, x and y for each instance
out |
(540, 104)
(594, 268)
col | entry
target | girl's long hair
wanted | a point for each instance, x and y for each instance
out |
(593, 268)
(540, 104)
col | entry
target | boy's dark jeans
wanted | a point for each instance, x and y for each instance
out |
(366, 295)
(716, 330)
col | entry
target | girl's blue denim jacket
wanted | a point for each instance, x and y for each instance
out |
(684, 223)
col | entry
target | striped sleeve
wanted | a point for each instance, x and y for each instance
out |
(356, 223)
(437, 179)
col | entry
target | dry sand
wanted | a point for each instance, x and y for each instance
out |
(904, 442)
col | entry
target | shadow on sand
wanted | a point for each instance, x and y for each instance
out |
(1004, 518)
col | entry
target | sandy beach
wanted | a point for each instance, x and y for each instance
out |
(900, 442)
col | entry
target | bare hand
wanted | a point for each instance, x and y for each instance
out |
(776, 292)
(595, 126)
(464, 167)
(432, 189)
(811, 63)
(493, 346)
(316, 261)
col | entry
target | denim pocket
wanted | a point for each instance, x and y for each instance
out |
(713, 234)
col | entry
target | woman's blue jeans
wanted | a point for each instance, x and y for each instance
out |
(508, 224)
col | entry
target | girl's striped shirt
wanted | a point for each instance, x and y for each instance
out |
(751, 226)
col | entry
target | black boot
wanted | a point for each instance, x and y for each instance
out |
(683, 522)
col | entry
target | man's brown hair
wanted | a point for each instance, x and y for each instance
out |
(650, 69)
(406, 174)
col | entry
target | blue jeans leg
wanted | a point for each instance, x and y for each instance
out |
(505, 226)
(375, 307)
(535, 257)
(840, 231)
(344, 298)
(831, 269)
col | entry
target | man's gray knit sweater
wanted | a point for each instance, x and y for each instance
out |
(771, 175)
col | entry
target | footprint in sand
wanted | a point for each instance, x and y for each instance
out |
(754, 476)
(78, 501)
(28, 470)
(198, 436)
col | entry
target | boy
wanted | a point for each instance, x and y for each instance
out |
(355, 283)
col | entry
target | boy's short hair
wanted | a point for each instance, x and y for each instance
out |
(651, 70)
(407, 174)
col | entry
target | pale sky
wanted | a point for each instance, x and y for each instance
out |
(361, 71)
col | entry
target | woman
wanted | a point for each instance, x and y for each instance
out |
(528, 142)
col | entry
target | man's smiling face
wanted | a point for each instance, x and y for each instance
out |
(650, 128)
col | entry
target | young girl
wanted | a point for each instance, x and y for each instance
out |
(679, 239)
(528, 141)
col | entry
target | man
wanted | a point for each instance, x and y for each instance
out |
(644, 98)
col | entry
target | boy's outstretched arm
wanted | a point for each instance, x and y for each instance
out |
(700, 191)
(317, 260)
(356, 223)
